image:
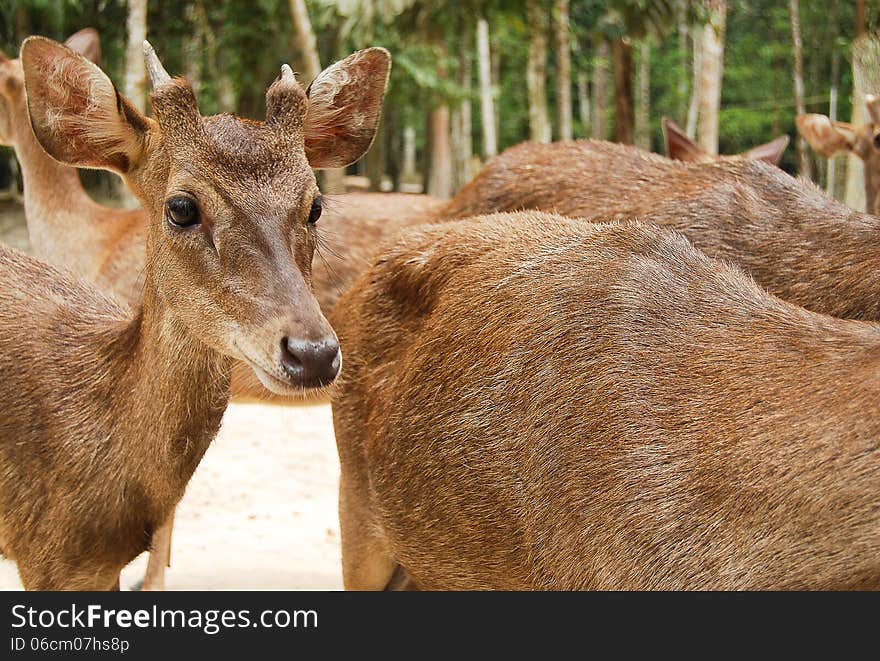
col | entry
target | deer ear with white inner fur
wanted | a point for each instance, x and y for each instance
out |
(345, 105)
(76, 113)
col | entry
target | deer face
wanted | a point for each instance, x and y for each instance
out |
(831, 138)
(233, 204)
(13, 105)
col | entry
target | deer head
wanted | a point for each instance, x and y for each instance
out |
(13, 109)
(831, 137)
(681, 148)
(232, 203)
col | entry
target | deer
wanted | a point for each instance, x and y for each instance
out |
(681, 148)
(829, 138)
(622, 412)
(795, 241)
(105, 245)
(98, 444)
(66, 227)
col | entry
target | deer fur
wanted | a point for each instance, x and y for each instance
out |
(535, 402)
(830, 138)
(98, 441)
(681, 148)
(795, 241)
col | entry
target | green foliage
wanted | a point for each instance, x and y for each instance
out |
(244, 43)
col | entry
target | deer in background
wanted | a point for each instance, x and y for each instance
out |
(66, 227)
(623, 412)
(96, 448)
(832, 137)
(681, 148)
(795, 241)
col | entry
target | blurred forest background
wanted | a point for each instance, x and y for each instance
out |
(472, 78)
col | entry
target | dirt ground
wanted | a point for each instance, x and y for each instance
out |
(260, 511)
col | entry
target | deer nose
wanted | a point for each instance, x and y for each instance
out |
(311, 364)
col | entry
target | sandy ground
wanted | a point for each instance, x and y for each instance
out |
(260, 512)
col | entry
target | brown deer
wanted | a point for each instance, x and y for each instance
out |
(681, 148)
(832, 137)
(795, 241)
(534, 402)
(106, 245)
(98, 443)
(66, 227)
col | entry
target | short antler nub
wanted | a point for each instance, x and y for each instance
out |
(286, 101)
(158, 75)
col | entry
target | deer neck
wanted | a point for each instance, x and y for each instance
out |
(58, 210)
(174, 390)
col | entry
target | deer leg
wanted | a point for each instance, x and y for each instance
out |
(160, 557)
(367, 563)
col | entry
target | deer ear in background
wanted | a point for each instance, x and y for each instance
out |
(87, 43)
(679, 146)
(770, 152)
(826, 137)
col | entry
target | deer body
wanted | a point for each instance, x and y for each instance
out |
(796, 242)
(95, 459)
(622, 412)
(98, 440)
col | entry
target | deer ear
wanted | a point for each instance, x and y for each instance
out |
(771, 152)
(87, 43)
(678, 145)
(77, 115)
(345, 104)
(826, 137)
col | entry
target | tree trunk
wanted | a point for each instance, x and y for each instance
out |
(831, 173)
(621, 52)
(599, 130)
(192, 49)
(305, 40)
(221, 80)
(583, 94)
(861, 18)
(496, 60)
(464, 148)
(694, 105)
(440, 167)
(643, 97)
(563, 71)
(684, 73)
(711, 75)
(135, 70)
(333, 181)
(409, 174)
(866, 80)
(487, 103)
(536, 78)
(374, 160)
(804, 168)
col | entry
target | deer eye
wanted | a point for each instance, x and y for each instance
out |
(182, 212)
(315, 212)
(877, 141)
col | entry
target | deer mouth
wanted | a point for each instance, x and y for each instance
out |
(276, 384)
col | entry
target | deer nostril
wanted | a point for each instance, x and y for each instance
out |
(311, 364)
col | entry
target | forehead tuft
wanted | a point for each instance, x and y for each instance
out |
(249, 146)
